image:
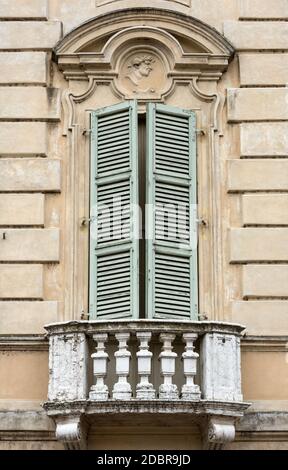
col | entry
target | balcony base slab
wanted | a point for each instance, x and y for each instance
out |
(216, 420)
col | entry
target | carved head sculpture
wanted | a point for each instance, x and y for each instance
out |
(139, 67)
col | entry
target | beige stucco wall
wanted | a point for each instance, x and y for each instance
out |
(34, 164)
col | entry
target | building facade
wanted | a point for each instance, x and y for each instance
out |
(125, 324)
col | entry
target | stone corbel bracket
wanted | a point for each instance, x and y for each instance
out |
(217, 431)
(72, 432)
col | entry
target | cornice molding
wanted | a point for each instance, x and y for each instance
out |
(24, 343)
(265, 343)
(200, 31)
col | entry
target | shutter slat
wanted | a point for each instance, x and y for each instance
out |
(115, 162)
(170, 130)
(166, 147)
(116, 152)
(117, 133)
(174, 159)
(112, 157)
(114, 252)
(171, 188)
(175, 121)
(169, 136)
(114, 129)
(110, 120)
(115, 144)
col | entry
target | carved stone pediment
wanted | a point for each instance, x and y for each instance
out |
(143, 52)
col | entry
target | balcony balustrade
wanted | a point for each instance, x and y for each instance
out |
(143, 367)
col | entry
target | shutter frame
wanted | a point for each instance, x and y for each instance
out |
(102, 251)
(156, 247)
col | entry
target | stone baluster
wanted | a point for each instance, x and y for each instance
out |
(99, 391)
(122, 389)
(167, 390)
(144, 389)
(190, 391)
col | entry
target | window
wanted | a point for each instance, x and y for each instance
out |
(118, 260)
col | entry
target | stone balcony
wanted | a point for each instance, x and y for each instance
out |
(129, 369)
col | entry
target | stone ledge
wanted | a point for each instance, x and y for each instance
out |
(264, 421)
(265, 343)
(216, 420)
(27, 342)
(155, 326)
(25, 421)
(134, 406)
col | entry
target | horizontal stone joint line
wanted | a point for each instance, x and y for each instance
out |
(22, 19)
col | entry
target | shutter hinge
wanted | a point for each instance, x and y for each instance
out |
(86, 131)
(84, 316)
(203, 317)
(200, 132)
(85, 221)
(202, 222)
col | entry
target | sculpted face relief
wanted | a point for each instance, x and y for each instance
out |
(142, 75)
(139, 67)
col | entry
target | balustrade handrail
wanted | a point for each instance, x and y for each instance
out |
(216, 359)
(156, 326)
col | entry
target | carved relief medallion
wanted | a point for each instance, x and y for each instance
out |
(141, 75)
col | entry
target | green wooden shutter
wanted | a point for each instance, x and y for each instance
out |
(113, 220)
(171, 239)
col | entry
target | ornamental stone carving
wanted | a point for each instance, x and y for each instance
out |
(141, 75)
(217, 432)
(141, 60)
(72, 432)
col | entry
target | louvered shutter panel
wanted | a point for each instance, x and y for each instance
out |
(113, 222)
(171, 239)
